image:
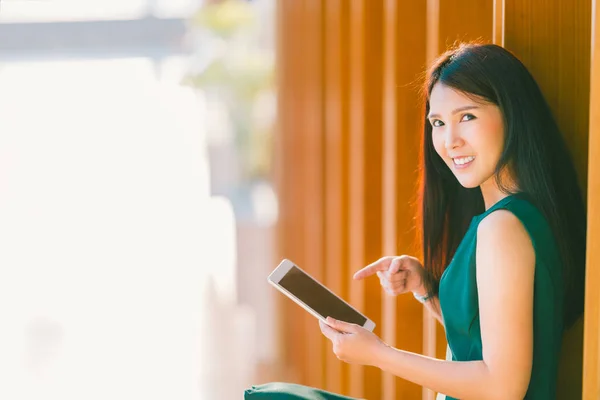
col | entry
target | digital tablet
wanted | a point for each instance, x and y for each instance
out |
(315, 298)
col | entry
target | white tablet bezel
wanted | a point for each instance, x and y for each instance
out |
(283, 268)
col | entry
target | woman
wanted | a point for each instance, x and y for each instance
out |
(503, 230)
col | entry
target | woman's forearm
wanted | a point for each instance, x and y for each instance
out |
(462, 380)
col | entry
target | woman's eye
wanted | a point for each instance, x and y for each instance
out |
(467, 117)
(437, 123)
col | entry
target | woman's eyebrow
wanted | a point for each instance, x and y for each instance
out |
(465, 108)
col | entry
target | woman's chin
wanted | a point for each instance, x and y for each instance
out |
(468, 183)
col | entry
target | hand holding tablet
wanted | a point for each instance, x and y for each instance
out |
(313, 296)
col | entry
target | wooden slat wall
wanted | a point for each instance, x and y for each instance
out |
(348, 144)
(336, 170)
(401, 159)
(365, 170)
(389, 189)
(553, 39)
(403, 61)
(464, 20)
(287, 175)
(356, 217)
(311, 47)
(591, 359)
(498, 23)
(338, 180)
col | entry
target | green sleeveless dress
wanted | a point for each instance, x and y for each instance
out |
(460, 306)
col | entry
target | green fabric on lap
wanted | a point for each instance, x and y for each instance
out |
(290, 391)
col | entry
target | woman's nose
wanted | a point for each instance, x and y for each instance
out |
(452, 139)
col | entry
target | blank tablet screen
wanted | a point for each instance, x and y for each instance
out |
(318, 298)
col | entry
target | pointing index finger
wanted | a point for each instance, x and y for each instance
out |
(371, 269)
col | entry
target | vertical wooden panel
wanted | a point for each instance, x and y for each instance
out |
(312, 168)
(591, 358)
(410, 63)
(498, 28)
(365, 170)
(345, 74)
(433, 49)
(404, 60)
(552, 38)
(390, 133)
(464, 20)
(356, 166)
(373, 168)
(291, 239)
(336, 173)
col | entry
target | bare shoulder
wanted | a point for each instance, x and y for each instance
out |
(501, 236)
(501, 224)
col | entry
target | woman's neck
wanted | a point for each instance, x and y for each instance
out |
(491, 192)
(492, 197)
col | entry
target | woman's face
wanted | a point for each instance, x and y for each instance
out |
(467, 135)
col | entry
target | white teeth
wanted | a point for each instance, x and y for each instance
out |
(463, 160)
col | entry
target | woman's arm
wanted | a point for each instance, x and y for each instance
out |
(505, 272)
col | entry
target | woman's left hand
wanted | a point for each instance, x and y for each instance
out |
(352, 343)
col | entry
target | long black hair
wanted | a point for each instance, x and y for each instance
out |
(534, 151)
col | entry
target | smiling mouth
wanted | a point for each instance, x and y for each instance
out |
(463, 162)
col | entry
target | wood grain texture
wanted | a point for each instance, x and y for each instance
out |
(465, 20)
(312, 183)
(373, 171)
(591, 358)
(357, 184)
(498, 26)
(432, 50)
(389, 188)
(335, 58)
(365, 170)
(290, 237)
(553, 40)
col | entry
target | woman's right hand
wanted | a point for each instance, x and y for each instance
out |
(397, 275)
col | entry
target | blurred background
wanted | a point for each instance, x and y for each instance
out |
(158, 158)
(136, 203)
